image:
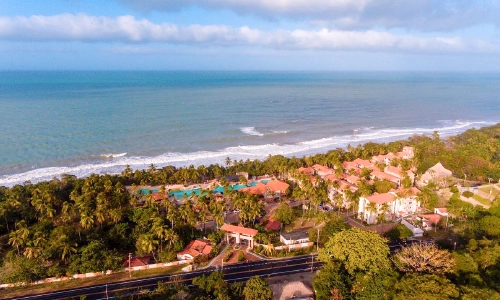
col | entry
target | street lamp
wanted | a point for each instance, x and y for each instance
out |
(129, 268)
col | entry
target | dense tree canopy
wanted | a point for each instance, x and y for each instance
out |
(358, 250)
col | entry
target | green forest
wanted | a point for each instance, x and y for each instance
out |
(77, 225)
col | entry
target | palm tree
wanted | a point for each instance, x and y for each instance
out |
(16, 240)
(171, 237)
(86, 220)
(31, 251)
(67, 247)
(159, 230)
(146, 243)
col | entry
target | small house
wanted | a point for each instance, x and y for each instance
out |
(295, 237)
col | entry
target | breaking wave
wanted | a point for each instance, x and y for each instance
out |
(119, 161)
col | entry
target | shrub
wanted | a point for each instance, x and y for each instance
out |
(167, 256)
(467, 194)
(228, 256)
(454, 189)
(241, 256)
(259, 249)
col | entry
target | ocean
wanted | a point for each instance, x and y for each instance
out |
(83, 122)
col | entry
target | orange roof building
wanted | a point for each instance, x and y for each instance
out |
(239, 233)
(194, 249)
(276, 187)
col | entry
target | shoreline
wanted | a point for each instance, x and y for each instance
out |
(117, 163)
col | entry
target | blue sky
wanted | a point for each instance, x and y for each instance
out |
(331, 35)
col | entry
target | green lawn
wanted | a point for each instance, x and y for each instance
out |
(495, 192)
(481, 200)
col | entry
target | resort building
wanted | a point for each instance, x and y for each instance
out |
(268, 189)
(239, 233)
(387, 206)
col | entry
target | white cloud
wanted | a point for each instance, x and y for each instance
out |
(127, 29)
(426, 15)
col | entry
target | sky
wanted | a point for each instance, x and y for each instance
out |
(316, 35)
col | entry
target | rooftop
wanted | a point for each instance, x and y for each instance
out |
(295, 235)
(381, 198)
(239, 229)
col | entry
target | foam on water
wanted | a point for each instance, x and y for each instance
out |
(251, 131)
(119, 161)
(111, 155)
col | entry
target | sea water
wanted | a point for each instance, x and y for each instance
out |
(83, 122)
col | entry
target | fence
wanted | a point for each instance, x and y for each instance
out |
(90, 275)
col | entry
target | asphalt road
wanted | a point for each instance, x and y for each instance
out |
(232, 273)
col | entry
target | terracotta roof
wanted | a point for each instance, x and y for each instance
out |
(239, 229)
(261, 188)
(137, 261)
(278, 185)
(272, 225)
(363, 162)
(383, 175)
(393, 171)
(352, 179)
(196, 248)
(331, 177)
(349, 165)
(381, 198)
(432, 218)
(379, 158)
(258, 189)
(307, 170)
(321, 168)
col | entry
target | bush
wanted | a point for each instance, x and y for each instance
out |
(216, 237)
(454, 189)
(259, 249)
(399, 231)
(167, 256)
(467, 194)
(241, 256)
(228, 256)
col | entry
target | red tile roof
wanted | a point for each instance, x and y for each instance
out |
(432, 218)
(261, 188)
(137, 261)
(349, 165)
(381, 198)
(196, 248)
(353, 179)
(239, 229)
(277, 185)
(363, 162)
(382, 176)
(322, 168)
(307, 170)
(272, 225)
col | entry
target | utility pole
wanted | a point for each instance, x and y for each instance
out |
(489, 182)
(312, 262)
(107, 297)
(317, 241)
(129, 268)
